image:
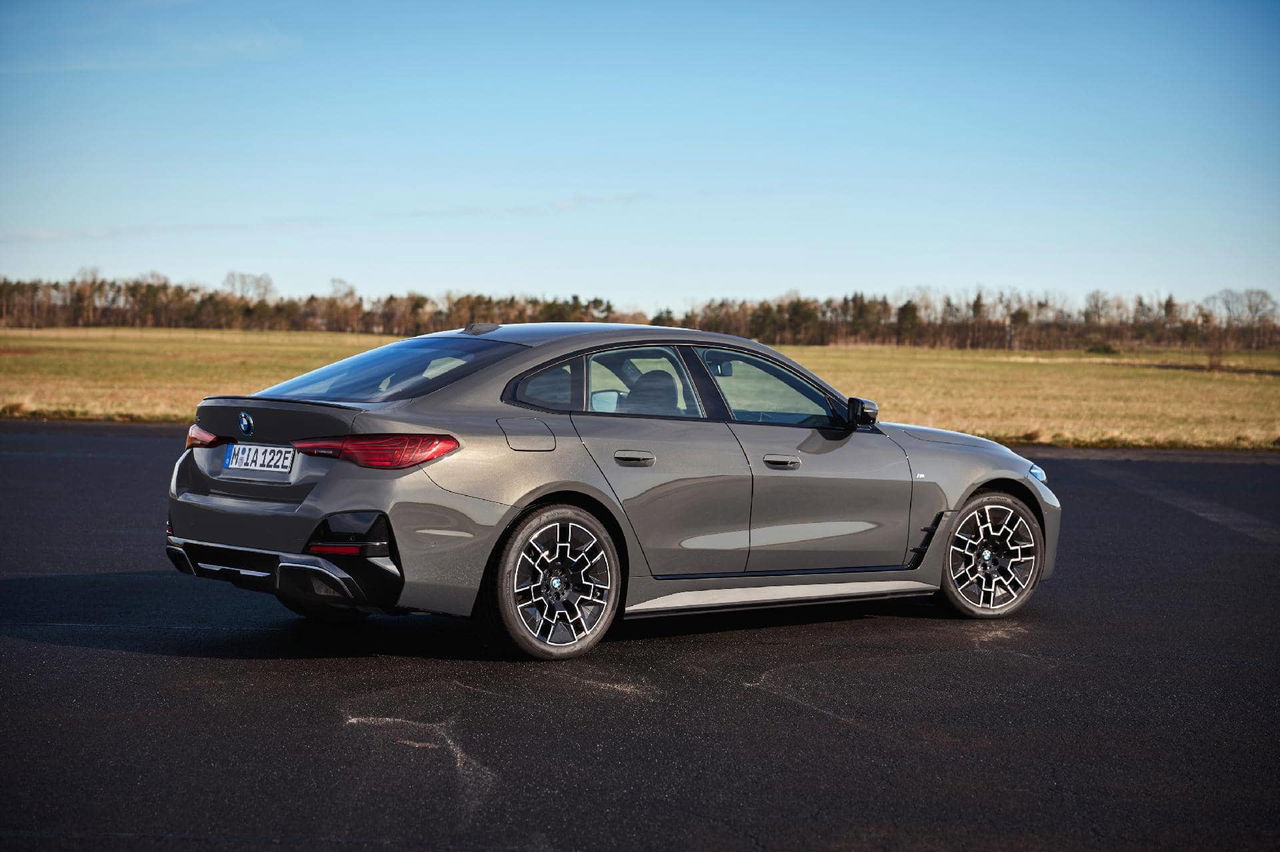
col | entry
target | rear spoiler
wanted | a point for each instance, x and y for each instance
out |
(249, 400)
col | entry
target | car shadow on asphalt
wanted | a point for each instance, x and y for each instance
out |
(163, 613)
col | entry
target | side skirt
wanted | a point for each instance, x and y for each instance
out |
(752, 597)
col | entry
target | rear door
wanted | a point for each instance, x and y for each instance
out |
(682, 479)
(824, 497)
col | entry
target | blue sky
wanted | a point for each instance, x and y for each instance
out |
(652, 153)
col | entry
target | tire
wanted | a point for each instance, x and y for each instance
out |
(324, 613)
(995, 552)
(556, 586)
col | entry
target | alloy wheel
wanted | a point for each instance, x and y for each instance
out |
(993, 557)
(562, 583)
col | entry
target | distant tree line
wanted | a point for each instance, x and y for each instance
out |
(998, 320)
(250, 302)
(1004, 320)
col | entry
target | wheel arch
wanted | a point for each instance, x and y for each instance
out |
(567, 497)
(1011, 488)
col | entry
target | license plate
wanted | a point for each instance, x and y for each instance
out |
(258, 457)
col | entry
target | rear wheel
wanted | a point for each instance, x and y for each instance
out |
(994, 557)
(556, 586)
(324, 613)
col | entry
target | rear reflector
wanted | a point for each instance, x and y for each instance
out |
(335, 549)
(197, 437)
(390, 452)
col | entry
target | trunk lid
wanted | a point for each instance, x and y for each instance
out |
(273, 423)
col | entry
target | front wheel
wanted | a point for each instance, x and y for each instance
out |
(994, 557)
(557, 584)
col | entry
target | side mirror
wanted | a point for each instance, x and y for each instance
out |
(605, 400)
(862, 412)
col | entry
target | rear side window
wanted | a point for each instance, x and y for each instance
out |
(550, 388)
(648, 380)
(401, 370)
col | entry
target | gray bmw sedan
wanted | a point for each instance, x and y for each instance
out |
(549, 478)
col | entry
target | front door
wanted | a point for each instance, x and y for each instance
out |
(683, 480)
(825, 498)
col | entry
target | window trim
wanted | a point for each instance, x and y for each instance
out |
(715, 408)
(680, 361)
(510, 393)
(579, 373)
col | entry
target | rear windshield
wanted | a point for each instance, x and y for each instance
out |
(399, 370)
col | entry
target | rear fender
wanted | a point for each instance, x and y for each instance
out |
(492, 485)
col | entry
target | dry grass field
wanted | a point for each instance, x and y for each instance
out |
(1148, 398)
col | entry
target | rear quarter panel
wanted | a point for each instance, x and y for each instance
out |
(492, 484)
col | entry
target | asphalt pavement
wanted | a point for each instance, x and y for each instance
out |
(1133, 702)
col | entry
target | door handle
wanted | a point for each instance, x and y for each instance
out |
(634, 458)
(781, 462)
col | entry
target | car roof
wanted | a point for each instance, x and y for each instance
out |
(546, 341)
(582, 334)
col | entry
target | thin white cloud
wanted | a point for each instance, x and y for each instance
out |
(571, 204)
(157, 229)
(170, 49)
(260, 44)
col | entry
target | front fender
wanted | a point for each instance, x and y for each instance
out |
(946, 475)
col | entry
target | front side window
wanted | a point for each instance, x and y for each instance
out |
(401, 370)
(648, 380)
(758, 391)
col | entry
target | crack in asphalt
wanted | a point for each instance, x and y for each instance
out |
(475, 779)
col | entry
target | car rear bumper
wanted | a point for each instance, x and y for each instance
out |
(301, 577)
(443, 540)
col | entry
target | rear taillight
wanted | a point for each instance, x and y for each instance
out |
(390, 452)
(197, 437)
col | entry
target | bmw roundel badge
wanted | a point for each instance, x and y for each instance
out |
(246, 423)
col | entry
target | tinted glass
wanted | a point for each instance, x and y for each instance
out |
(758, 391)
(400, 370)
(552, 388)
(648, 380)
